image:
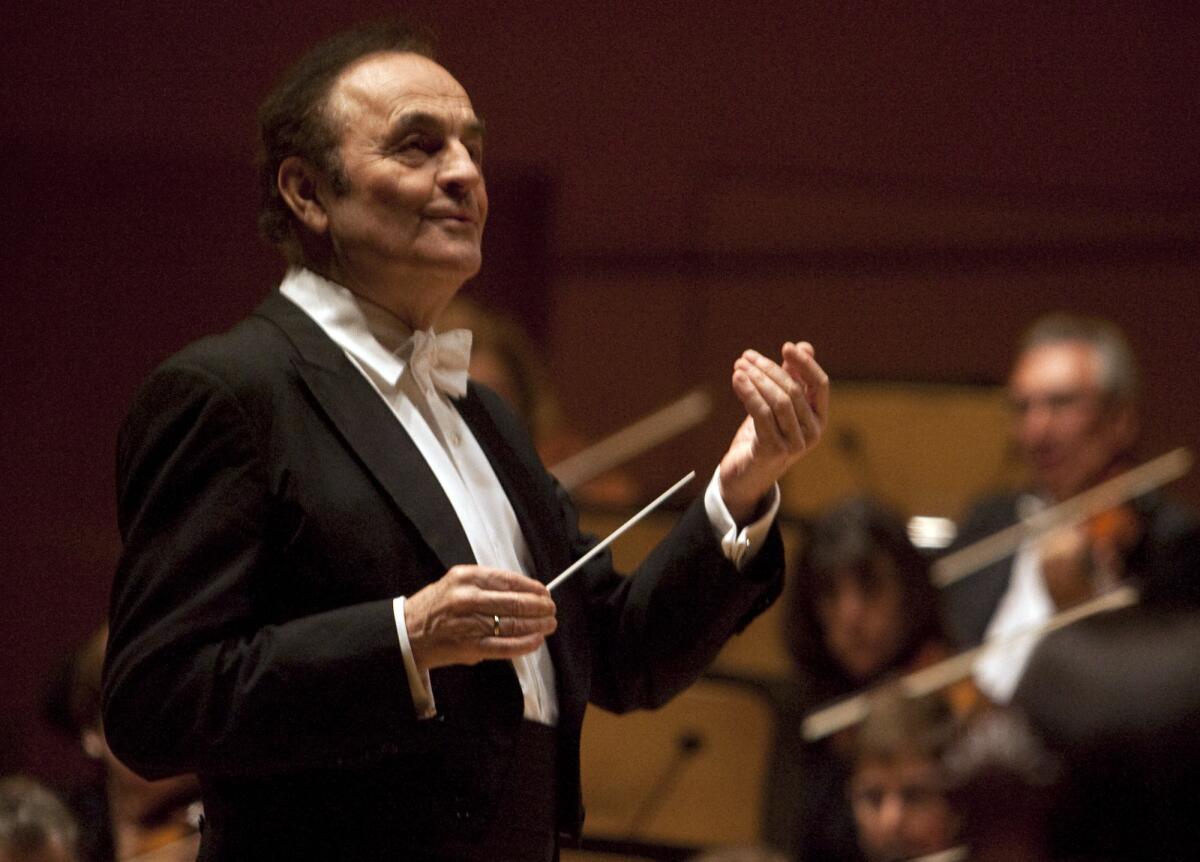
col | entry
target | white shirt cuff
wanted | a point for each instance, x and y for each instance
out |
(739, 547)
(418, 681)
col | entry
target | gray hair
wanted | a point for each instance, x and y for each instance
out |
(1120, 379)
(31, 817)
(294, 120)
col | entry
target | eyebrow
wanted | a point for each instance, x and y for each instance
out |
(423, 119)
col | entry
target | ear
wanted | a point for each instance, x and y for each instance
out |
(93, 743)
(298, 183)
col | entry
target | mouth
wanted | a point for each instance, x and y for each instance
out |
(452, 217)
(1046, 460)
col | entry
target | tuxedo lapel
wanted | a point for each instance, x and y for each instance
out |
(542, 527)
(539, 524)
(371, 431)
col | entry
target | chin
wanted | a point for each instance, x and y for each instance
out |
(463, 266)
(1060, 489)
(863, 670)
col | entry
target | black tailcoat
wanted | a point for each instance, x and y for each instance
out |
(271, 507)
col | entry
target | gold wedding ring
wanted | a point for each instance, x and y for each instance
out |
(495, 625)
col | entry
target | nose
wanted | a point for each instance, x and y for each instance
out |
(891, 813)
(459, 172)
(1034, 423)
(849, 605)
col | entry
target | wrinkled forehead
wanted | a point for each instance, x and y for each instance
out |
(1056, 366)
(379, 88)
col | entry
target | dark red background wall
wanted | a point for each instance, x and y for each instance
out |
(619, 134)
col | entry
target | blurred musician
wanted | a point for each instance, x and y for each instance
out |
(1075, 390)
(862, 612)
(897, 790)
(34, 824)
(120, 815)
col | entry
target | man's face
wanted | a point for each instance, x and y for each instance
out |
(411, 150)
(900, 809)
(861, 618)
(1067, 433)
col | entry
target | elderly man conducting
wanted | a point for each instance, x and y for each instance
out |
(331, 603)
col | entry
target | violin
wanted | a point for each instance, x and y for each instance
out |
(1110, 529)
(962, 696)
(153, 820)
(955, 669)
(1089, 506)
(1084, 560)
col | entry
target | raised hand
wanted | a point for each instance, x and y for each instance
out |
(787, 408)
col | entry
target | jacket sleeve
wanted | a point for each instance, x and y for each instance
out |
(636, 641)
(645, 637)
(657, 630)
(197, 677)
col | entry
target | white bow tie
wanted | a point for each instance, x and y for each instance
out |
(439, 360)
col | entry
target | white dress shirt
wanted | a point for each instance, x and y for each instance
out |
(374, 341)
(1025, 605)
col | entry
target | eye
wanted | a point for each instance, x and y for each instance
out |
(872, 797)
(419, 145)
(915, 795)
(870, 581)
(1063, 400)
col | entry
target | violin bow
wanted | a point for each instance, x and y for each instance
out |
(849, 712)
(1120, 489)
(634, 439)
(965, 562)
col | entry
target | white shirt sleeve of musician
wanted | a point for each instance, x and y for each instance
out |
(1012, 634)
